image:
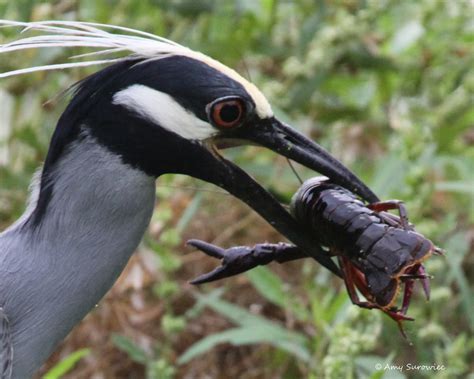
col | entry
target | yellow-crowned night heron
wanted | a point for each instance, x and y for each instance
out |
(162, 109)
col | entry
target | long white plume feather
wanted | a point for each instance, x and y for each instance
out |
(93, 35)
(124, 40)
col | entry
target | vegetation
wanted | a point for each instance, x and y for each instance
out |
(387, 86)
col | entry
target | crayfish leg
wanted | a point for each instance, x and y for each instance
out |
(407, 293)
(425, 282)
(399, 318)
(353, 280)
(417, 272)
(384, 206)
(408, 278)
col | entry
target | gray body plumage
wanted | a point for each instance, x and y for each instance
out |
(52, 275)
(6, 348)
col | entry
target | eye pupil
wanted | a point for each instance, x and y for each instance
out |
(230, 113)
(227, 113)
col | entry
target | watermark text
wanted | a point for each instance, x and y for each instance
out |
(410, 367)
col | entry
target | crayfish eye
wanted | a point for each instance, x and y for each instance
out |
(226, 113)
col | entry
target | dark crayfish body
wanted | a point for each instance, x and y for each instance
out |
(378, 252)
(376, 249)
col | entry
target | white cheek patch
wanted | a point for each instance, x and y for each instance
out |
(162, 109)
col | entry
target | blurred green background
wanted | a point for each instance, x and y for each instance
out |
(386, 86)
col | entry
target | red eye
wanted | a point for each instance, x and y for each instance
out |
(228, 113)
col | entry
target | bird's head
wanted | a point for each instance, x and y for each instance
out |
(167, 109)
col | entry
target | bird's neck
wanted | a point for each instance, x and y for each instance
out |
(97, 212)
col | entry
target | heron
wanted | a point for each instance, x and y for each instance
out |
(156, 108)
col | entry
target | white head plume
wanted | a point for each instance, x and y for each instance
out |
(86, 34)
(134, 43)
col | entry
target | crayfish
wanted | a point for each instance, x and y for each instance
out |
(378, 253)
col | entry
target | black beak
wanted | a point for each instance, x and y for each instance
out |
(288, 142)
(285, 141)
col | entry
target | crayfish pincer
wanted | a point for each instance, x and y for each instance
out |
(378, 253)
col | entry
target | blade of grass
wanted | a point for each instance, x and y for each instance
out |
(66, 364)
(268, 285)
(128, 346)
(245, 336)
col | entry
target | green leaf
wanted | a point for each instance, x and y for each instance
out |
(268, 285)
(125, 344)
(389, 174)
(338, 302)
(66, 364)
(232, 312)
(244, 318)
(245, 336)
(457, 246)
(189, 213)
(253, 329)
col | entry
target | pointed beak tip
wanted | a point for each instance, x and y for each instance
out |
(288, 142)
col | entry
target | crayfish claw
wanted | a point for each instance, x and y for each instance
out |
(216, 274)
(207, 248)
(235, 260)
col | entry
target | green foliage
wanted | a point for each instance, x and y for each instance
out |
(157, 368)
(67, 364)
(126, 345)
(252, 329)
(268, 285)
(385, 85)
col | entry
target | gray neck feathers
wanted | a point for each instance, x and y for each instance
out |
(53, 274)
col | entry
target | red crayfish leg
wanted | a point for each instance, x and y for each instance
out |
(407, 293)
(399, 317)
(425, 282)
(416, 272)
